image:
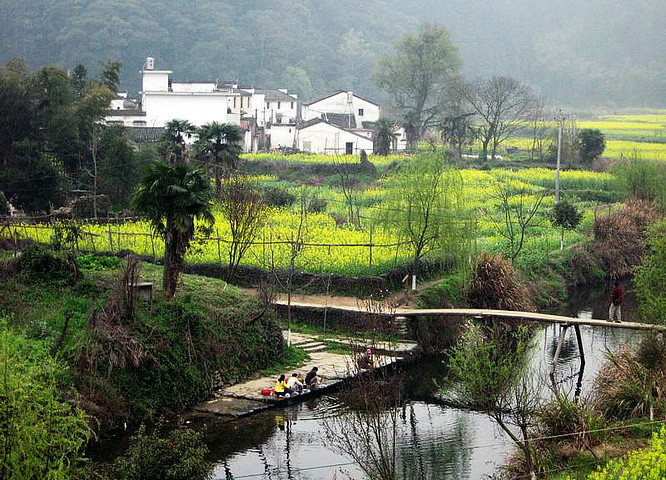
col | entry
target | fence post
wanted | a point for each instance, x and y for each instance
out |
(152, 244)
(219, 251)
(110, 239)
(371, 227)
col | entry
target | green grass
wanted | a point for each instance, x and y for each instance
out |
(289, 359)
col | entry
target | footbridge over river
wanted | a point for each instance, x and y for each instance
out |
(400, 316)
(371, 309)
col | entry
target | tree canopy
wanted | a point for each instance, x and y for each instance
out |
(417, 76)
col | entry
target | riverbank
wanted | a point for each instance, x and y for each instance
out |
(245, 398)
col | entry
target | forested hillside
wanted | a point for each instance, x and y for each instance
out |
(576, 53)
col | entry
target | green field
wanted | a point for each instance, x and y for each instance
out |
(626, 135)
(340, 248)
(333, 245)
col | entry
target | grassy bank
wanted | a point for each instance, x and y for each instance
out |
(167, 356)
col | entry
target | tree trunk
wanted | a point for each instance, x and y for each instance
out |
(218, 182)
(484, 149)
(171, 264)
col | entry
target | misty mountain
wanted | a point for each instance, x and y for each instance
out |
(575, 53)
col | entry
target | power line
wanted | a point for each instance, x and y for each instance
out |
(495, 444)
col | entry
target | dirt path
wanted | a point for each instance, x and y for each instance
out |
(396, 299)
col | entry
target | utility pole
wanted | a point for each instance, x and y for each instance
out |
(559, 119)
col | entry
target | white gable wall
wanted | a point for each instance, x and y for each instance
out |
(363, 110)
(325, 138)
(282, 135)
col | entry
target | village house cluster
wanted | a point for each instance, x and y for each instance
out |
(339, 123)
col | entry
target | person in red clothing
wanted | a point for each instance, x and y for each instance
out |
(615, 309)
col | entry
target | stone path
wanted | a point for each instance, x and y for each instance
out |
(245, 398)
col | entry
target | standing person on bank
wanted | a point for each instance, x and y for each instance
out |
(615, 309)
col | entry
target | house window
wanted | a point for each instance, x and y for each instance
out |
(268, 105)
(278, 105)
(292, 105)
(360, 112)
(139, 123)
(290, 130)
(235, 101)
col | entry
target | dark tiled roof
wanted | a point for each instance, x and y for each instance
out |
(132, 112)
(342, 120)
(143, 134)
(276, 95)
(308, 123)
(315, 121)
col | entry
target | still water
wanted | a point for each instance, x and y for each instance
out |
(433, 440)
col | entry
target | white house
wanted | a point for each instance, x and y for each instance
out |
(345, 103)
(319, 135)
(124, 111)
(163, 100)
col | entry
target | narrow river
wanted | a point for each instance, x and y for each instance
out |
(433, 440)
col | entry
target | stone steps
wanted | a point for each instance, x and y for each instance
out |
(309, 346)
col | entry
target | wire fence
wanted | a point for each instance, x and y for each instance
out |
(268, 251)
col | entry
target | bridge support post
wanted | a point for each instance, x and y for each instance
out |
(563, 331)
(579, 339)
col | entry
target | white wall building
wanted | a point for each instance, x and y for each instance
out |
(341, 102)
(321, 136)
(199, 103)
(126, 112)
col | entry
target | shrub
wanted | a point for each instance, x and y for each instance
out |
(563, 416)
(650, 280)
(317, 205)
(178, 456)
(619, 237)
(645, 464)
(495, 284)
(446, 294)
(279, 197)
(42, 433)
(644, 179)
(630, 384)
(41, 264)
(592, 144)
(98, 262)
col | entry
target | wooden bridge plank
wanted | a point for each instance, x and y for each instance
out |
(472, 312)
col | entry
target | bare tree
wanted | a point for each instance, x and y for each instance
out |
(349, 186)
(455, 124)
(501, 103)
(539, 130)
(244, 208)
(368, 431)
(516, 212)
(296, 246)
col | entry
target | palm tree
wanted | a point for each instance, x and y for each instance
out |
(383, 136)
(220, 144)
(172, 197)
(173, 140)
